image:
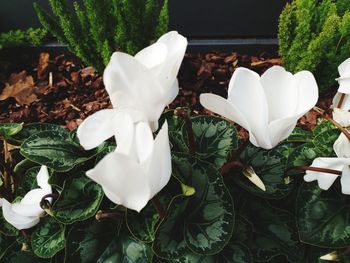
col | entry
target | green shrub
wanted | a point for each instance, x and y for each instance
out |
(96, 29)
(315, 35)
(33, 36)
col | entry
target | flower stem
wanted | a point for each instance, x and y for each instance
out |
(44, 204)
(158, 206)
(234, 159)
(336, 124)
(188, 125)
(340, 103)
(314, 169)
(100, 215)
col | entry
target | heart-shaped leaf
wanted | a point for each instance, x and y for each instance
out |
(270, 166)
(79, 200)
(55, 150)
(48, 238)
(323, 217)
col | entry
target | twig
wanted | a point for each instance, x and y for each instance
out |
(314, 169)
(336, 124)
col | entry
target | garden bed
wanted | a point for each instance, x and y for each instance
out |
(77, 91)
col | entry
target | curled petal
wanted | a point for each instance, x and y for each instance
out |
(43, 179)
(159, 169)
(342, 146)
(325, 180)
(345, 180)
(345, 105)
(123, 181)
(96, 129)
(153, 55)
(307, 90)
(248, 96)
(281, 94)
(130, 84)
(342, 117)
(17, 220)
(344, 80)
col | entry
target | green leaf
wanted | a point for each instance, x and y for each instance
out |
(235, 252)
(7, 229)
(300, 135)
(9, 129)
(29, 181)
(48, 238)
(31, 129)
(274, 232)
(169, 241)
(142, 225)
(270, 166)
(55, 150)
(79, 200)
(323, 217)
(202, 223)
(215, 139)
(19, 256)
(100, 243)
(6, 244)
(210, 221)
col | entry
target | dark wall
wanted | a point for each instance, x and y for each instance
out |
(193, 18)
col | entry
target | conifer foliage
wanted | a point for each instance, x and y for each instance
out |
(97, 28)
(315, 35)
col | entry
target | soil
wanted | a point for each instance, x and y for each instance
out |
(60, 89)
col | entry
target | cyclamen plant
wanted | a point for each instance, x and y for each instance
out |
(176, 186)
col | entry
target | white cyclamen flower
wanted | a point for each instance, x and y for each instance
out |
(144, 84)
(137, 170)
(26, 213)
(325, 180)
(342, 117)
(268, 106)
(344, 87)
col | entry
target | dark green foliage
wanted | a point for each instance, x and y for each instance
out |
(315, 35)
(208, 216)
(33, 36)
(100, 27)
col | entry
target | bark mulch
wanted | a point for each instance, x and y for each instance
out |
(62, 90)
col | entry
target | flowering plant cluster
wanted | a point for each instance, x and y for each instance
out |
(138, 183)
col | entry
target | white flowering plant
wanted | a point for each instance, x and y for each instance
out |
(138, 183)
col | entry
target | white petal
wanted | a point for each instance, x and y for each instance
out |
(173, 92)
(325, 180)
(345, 104)
(131, 85)
(159, 171)
(122, 178)
(344, 80)
(281, 93)
(280, 129)
(342, 146)
(176, 45)
(144, 141)
(43, 179)
(124, 133)
(153, 55)
(248, 96)
(308, 92)
(34, 196)
(342, 117)
(31, 210)
(18, 221)
(345, 180)
(344, 85)
(223, 107)
(96, 128)
(344, 68)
